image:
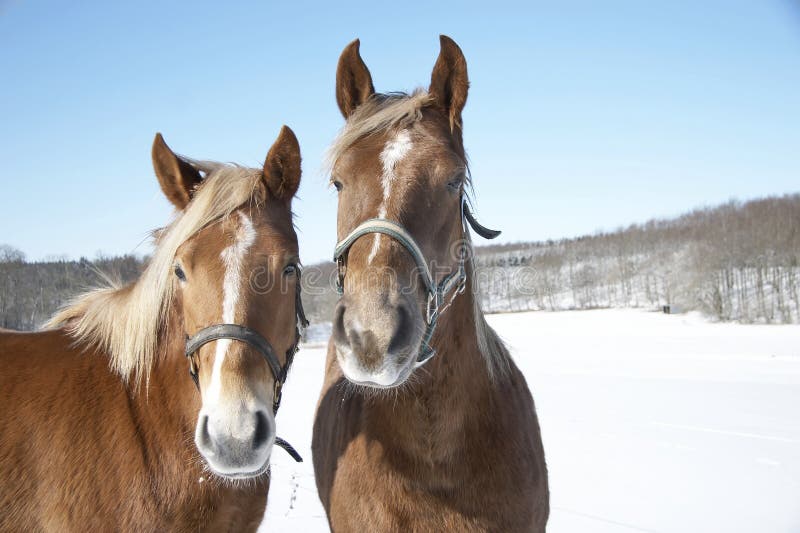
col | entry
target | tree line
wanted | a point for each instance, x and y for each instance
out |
(31, 292)
(738, 261)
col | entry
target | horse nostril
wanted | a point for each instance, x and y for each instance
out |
(403, 330)
(262, 430)
(339, 333)
(204, 439)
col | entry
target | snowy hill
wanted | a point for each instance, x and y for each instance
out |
(738, 261)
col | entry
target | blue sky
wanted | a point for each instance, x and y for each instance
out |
(581, 115)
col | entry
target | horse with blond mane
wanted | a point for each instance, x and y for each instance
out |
(424, 422)
(101, 428)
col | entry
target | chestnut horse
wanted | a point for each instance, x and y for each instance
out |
(98, 414)
(424, 422)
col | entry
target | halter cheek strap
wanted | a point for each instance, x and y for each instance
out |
(452, 284)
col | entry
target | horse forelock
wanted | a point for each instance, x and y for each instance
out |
(379, 113)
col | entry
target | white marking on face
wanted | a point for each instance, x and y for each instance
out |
(393, 153)
(232, 257)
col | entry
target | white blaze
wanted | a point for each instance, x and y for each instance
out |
(394, 152)
(232, 257)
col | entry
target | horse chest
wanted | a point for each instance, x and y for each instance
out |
(428, 483)
(376, 489)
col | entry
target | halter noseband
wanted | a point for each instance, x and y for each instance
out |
(260, 343)
(454, 283)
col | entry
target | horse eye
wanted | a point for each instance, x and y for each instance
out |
(455, 184)
(290, 269)
(338, 185)
(179, 273)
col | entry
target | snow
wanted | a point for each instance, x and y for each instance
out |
(651, 422)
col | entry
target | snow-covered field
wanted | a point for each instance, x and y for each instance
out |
(650, 422)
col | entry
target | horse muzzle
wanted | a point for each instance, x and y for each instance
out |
(236, 445)
(377, 338)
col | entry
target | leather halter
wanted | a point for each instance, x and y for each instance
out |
(262, 345)
(454, 283)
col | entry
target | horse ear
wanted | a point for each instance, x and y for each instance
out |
(353, 80)
(177, 178)
(449, 82)
(282, 167)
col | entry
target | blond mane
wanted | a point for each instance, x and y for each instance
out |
(490, 345)
(125, 322)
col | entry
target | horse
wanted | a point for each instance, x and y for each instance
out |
(101, 428)
(424, 422)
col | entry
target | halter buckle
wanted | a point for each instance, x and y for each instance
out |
(432, 312)
(277, 394)
(193, 373)
(340, 270)
(462, 285)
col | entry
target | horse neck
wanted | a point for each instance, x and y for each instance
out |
(445, 399)
(458, 365)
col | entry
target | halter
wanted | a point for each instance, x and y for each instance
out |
(260, 343)
(453, 284)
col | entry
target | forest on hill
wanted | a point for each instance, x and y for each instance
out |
(737, 261)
